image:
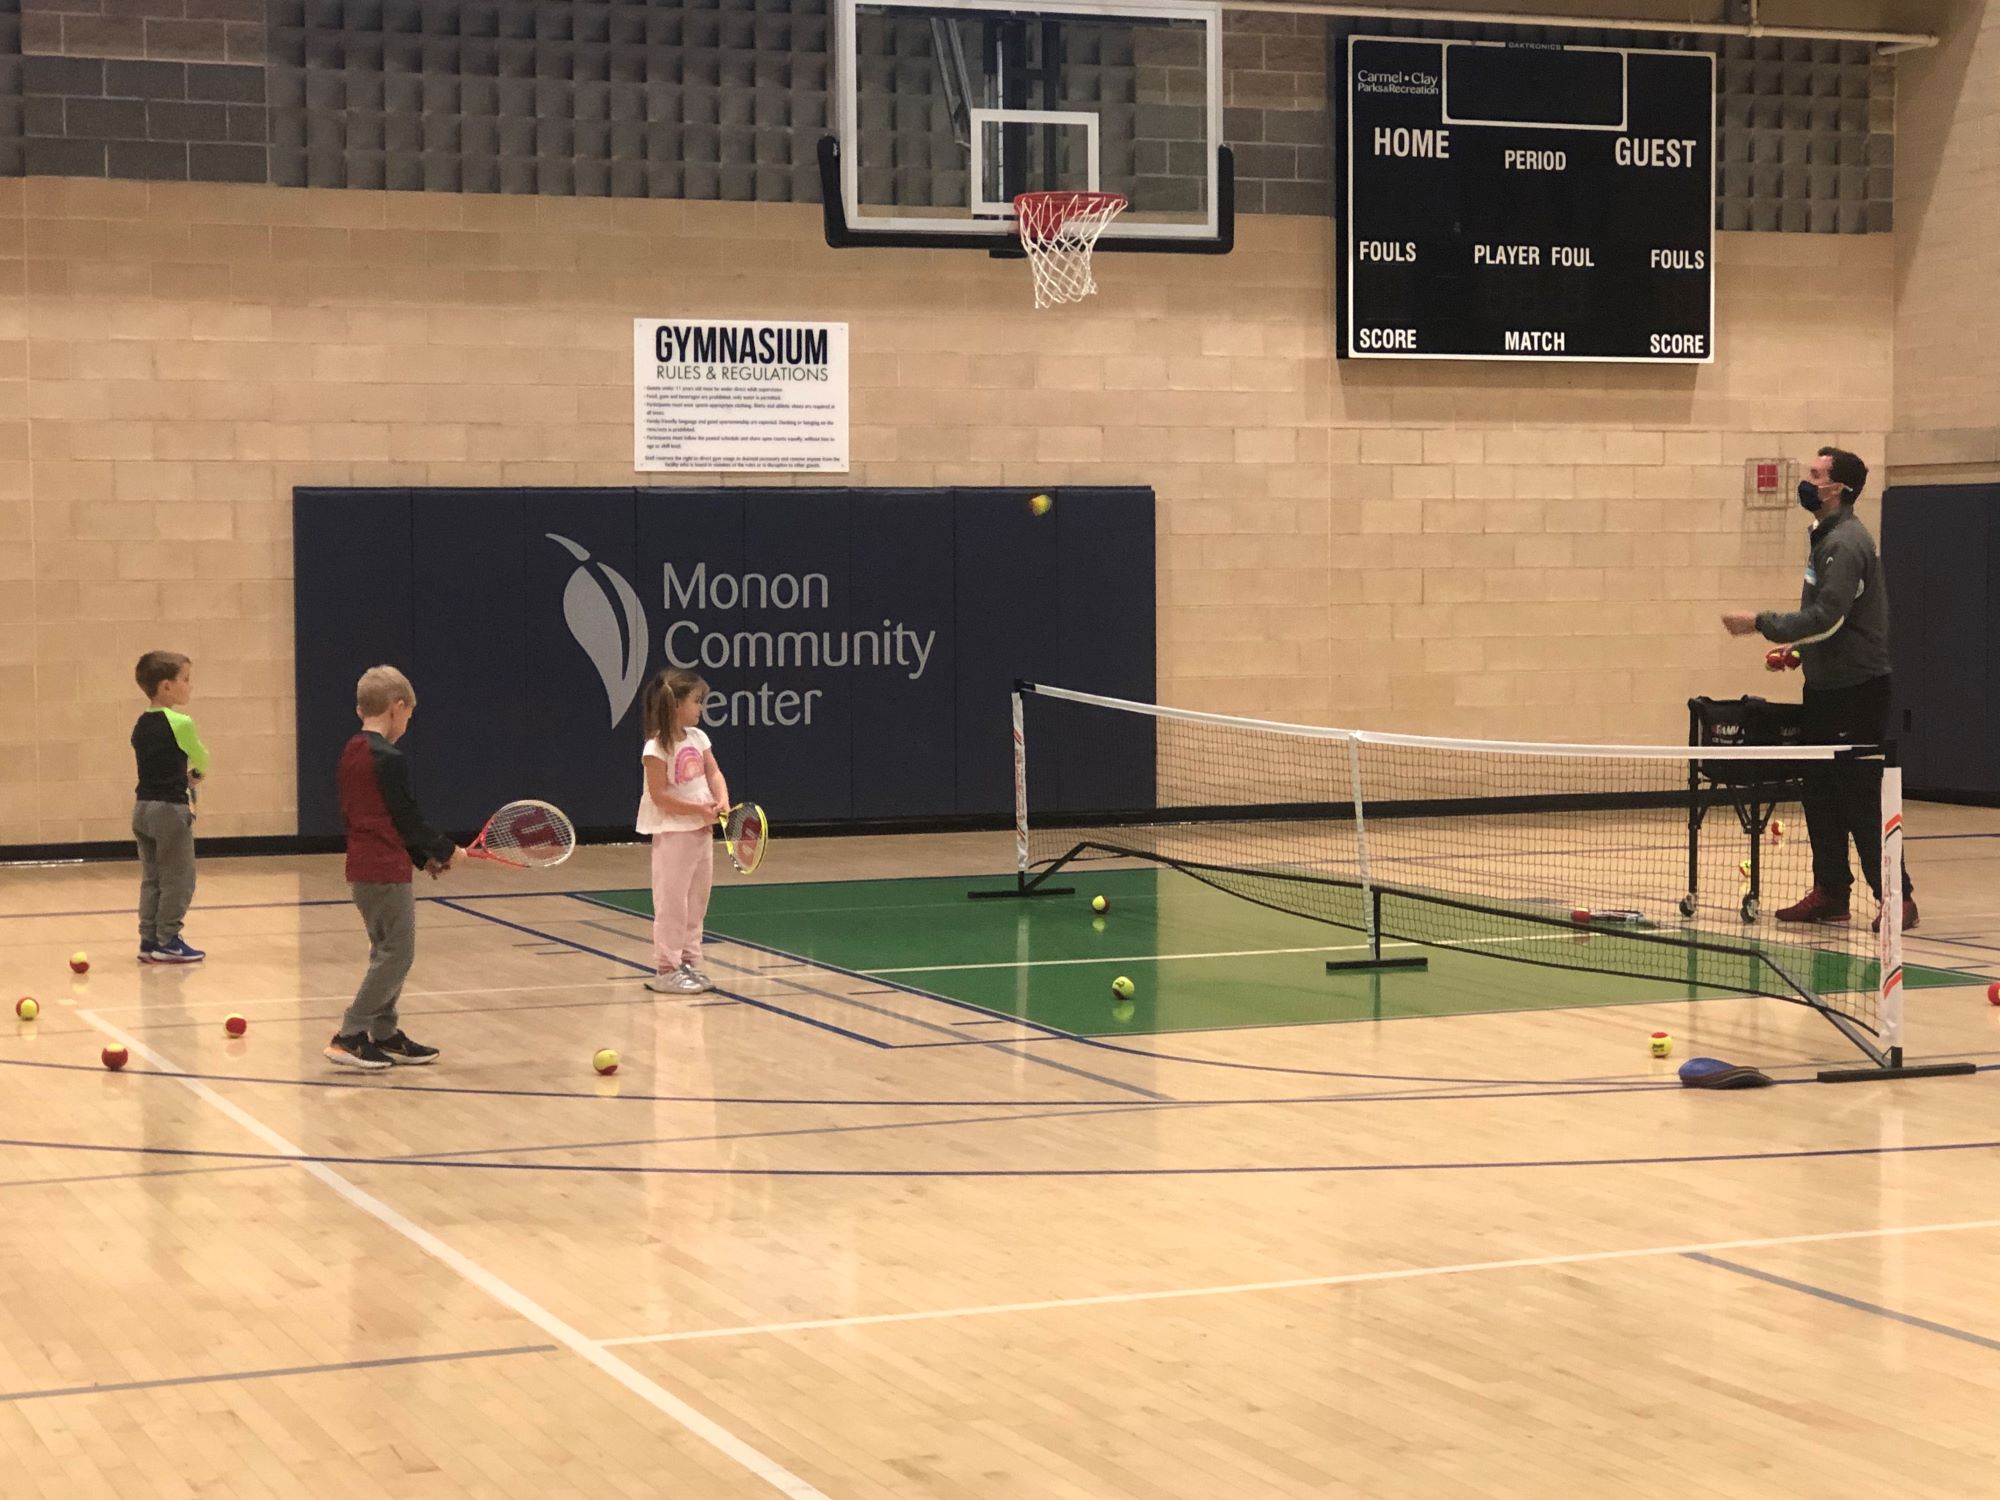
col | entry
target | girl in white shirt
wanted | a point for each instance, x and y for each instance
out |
(683, 794)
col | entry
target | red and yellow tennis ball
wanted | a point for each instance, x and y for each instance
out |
(1662, 1044)
(1992, 995)
(235, 1025)
(1774, 661)
(27, 1007)
(1040, 505)
(1777, 830)
(606, 1061)
(115, 1057)
(79, 962)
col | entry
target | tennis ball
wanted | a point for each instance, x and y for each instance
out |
(1040, 505)
(115, 1057)
(1579, 916)
(28, 1007)
(1662, 1044)
(235, 1025)
(1774, 661)
(606, 1061)
(1099, 904)
(79, 962)
(1122, 987)
(1777, 830)
(1992, 995)
(1792, 658)
(1744, 867)
(1122, 1010)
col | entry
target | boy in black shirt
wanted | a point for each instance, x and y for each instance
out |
(171, 760)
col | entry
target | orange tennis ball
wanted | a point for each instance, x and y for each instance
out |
(79, 962)
(236, 1025)
(1992, 995)
(115, 1058)
(28, 1007)
(606, 1061)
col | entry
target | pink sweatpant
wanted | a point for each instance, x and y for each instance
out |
(683, 871)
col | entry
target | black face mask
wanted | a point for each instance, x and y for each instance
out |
(1809, 496)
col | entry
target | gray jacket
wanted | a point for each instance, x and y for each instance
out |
(1841, 626)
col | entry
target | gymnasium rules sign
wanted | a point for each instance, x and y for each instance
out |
(746, 398)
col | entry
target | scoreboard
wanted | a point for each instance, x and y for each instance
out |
(1510, 201)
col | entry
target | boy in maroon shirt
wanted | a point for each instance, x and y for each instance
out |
(387, 838)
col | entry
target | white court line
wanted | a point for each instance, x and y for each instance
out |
(346, 995)
(647, 1390)
(1301, 1283)
(1160, 958)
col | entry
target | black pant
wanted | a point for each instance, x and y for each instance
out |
(1844, 799)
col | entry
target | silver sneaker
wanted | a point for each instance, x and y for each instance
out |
(675, 982)
(703, 984)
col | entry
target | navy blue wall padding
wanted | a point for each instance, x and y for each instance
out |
(530, 619)
(1941, 556)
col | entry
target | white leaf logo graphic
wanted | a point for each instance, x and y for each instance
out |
(614, 638)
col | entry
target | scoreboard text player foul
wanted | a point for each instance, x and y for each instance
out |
(1528, 202)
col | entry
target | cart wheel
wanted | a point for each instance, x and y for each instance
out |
(1751, 906)
(1687, 905)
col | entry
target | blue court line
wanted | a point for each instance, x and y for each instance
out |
(112, 1387)
(893, 987)
(1841, 1299)
(1308, 1169)
(646, 968)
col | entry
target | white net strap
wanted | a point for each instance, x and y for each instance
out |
(1058, 231)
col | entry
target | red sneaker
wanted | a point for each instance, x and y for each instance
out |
(1909, 917)
(1816, 906)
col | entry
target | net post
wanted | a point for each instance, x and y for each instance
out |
(1889, 950)
(1023, 886)
(1371, 895)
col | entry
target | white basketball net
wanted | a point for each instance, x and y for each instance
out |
(1058, 231)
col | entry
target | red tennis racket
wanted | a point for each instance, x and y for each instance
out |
(527, 836)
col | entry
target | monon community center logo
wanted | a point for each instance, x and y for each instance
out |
(608, 622)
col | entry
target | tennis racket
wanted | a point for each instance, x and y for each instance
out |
(745, 831)
(526, 835)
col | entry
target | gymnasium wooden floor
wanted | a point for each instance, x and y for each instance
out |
(821, 1236)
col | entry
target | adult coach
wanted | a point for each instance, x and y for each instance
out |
(1841, 628)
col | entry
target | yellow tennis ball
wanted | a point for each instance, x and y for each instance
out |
(27, 1007)
(1744, 867)
(1662, 1044)
(606, 1061)
(1099, 904)
(1122, 987)
(1040, 505)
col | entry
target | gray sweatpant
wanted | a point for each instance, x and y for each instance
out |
(165, 831)
(389, 911)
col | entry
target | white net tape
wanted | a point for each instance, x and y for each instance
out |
(1058, 231)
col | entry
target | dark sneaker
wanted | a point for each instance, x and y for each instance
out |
(1909, 917)
(357, 1052)
(1816, 906)
(177, 952)
(147, 948)
(405, 1053)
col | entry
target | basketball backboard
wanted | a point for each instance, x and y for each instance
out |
(944, 110)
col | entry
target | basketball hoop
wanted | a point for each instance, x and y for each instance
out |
(1058, 231)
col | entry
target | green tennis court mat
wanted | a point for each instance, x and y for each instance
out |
(1200, 959)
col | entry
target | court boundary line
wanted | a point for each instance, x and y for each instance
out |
(388, 1362)
(693, 1422)
(1300, 1283)
(1841, 1299)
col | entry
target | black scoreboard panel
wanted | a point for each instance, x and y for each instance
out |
(1528, 202)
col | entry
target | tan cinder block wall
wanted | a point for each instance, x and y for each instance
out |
(1947, 412)
(1491, 549)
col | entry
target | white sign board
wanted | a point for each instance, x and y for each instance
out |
(748, 397)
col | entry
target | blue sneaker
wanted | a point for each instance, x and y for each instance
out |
(147, 948)
(177, 952)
